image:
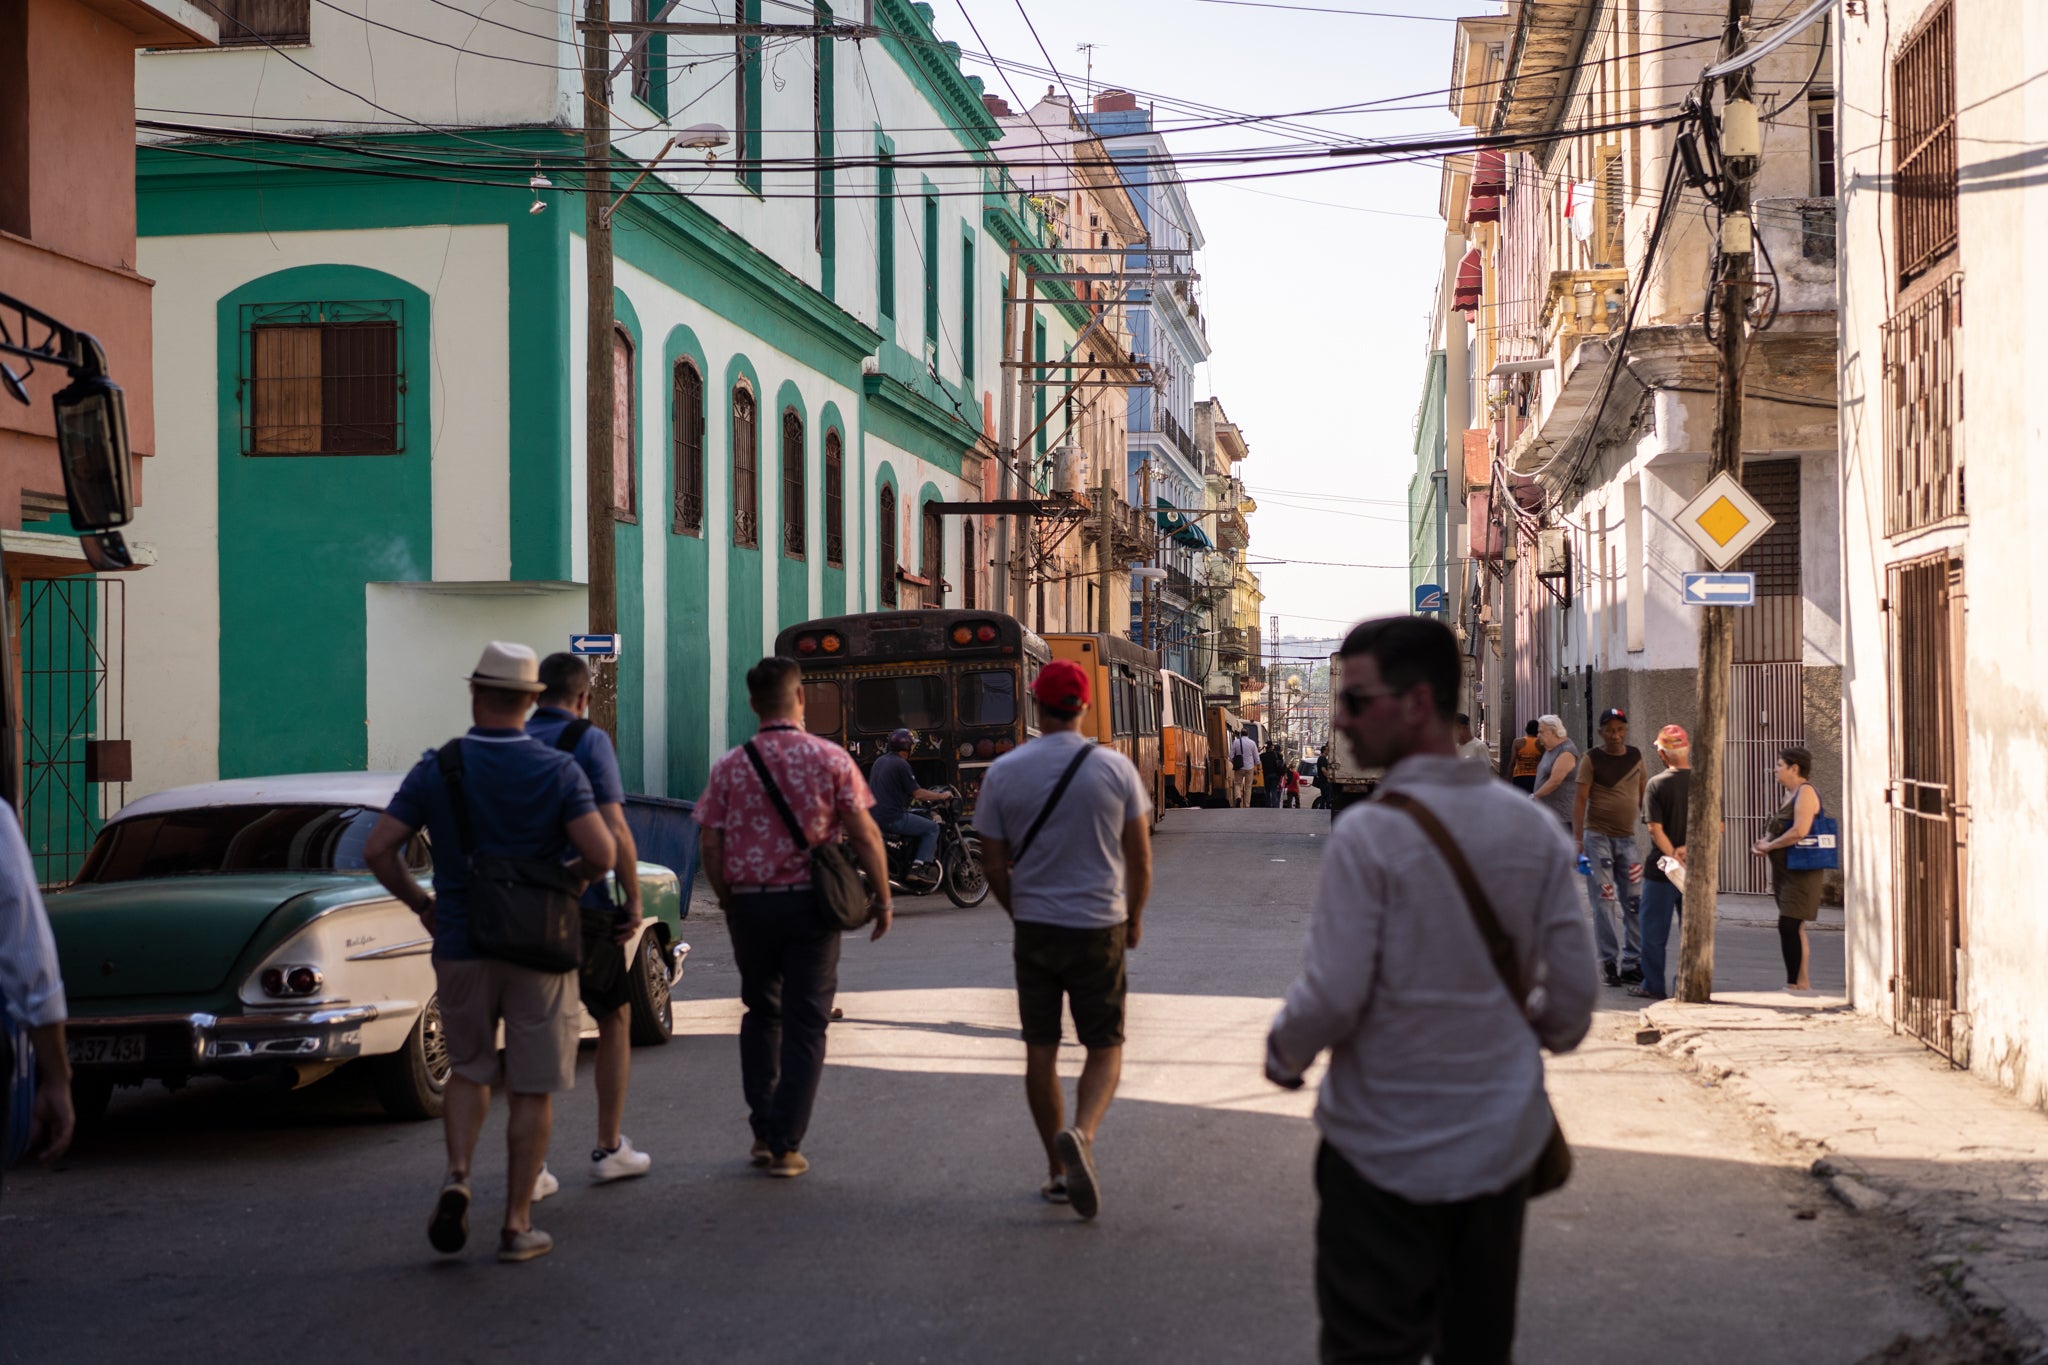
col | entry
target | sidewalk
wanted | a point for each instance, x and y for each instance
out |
(1893, 1131)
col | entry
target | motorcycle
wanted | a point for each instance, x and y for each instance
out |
(958, 859)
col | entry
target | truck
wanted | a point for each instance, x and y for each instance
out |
(1351, 781)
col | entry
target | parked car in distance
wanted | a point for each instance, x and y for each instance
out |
(232, 929)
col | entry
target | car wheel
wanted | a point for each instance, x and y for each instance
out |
(966, 882)
(412, 1082)
(654, 1014)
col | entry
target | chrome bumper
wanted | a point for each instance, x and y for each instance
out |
(676, 953)
(198, 1041)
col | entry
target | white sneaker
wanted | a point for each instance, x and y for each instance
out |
(623, 1164)
(545, 1184)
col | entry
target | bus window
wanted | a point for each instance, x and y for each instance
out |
(821, 706)
(882, 704)
(988, 698)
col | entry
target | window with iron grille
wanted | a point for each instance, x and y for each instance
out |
(931, 557)
(835, 500)
(1774, 558)
(885, 537)
(1923, 409)
(1610, 208)
(323, 378)
(650, 62)
(746, 461)
(969, 569)
(792, 484)
(1924, 145)
(1820, 117)
(258, 23)
(623, 503)
(687, 423)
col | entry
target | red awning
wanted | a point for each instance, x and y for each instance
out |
(1465, 297)
(1490, 173)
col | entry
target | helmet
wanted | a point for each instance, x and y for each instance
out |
(901, 739)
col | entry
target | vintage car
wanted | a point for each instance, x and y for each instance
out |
(232, 929)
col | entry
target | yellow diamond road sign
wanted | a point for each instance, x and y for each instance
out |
(1723, 520)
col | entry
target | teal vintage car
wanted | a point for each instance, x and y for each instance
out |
(232, 929)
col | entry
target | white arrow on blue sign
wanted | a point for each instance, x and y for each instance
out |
(1720, 590)
(1428, 597)
(594, 646)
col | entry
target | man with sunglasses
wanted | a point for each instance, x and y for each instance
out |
(1432, 1111)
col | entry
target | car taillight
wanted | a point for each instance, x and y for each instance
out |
(273, 981)
(967, 748)
(962, 635)
(302, 981)
(986, 749)
(807, 644)
(1004, 746)
(986, 633)
(830, 644)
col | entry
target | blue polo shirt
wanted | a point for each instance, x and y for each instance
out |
(894, 784)
(522, 796)
(600, 763)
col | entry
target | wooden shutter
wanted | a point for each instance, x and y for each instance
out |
(746, 487)
(792, 483)
(687, 423)
(623, 503)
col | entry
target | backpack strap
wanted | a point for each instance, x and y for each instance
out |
(1059, 790)
(449, 759)
(775, 797)
(572, 734)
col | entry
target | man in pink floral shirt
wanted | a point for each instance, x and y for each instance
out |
(784, 945)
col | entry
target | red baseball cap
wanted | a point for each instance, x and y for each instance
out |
(1061, 685)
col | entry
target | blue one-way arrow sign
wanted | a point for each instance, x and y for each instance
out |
(1428, 597)
(1720, 590)
(594, 646)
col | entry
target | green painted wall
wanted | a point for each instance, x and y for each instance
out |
(743, 566)
(833, 599)
(793, 572)
(60, 688)
(689, 595)
(293, 675)
(630, 575)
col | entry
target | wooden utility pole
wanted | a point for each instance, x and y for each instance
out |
(1107, 557)
(1006, 452)
(599, 398)
(1151, 523)
(1729, 305)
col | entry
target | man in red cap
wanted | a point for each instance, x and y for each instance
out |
(1066, 834)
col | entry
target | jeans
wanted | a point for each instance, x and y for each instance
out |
(913, 826)
(1662, 904)
(1617, 876)
(789, 971)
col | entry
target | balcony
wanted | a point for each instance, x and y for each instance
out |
(1163, 423)
(1232, 644)
(1132, 537)
(1583, 303)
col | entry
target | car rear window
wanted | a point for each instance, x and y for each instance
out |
(217, 839)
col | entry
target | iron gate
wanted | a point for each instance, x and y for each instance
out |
(73, 717)
(1766, 713)
(1930, 819)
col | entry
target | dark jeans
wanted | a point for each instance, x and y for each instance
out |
(1397, 1281)
(1662, 905)
(789, 971)
(1527, 782)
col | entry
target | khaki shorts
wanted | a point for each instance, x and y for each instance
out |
(538, 1010)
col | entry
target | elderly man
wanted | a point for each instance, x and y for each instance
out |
(499, 792)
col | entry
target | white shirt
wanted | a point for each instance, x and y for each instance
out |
(1475, 747)
(1243, 748)
(1435, 1086)
(31, 988)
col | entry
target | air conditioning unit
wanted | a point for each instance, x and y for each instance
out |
(1554, 553)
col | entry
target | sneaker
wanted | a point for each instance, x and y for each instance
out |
(788, 1166)
(758, 1154)
(449, 1228)
(1609, 975)
(1078, 1156)
(1631, 976)
(621, 1163)
(545, 1184)
(1054, 1190)
(523, 1246)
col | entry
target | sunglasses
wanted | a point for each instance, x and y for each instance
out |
(1356, 699)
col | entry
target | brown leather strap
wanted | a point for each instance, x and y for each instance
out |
(1499, 946)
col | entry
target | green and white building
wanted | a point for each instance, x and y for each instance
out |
(370, 356)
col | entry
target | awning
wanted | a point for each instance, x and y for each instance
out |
(1489, 184)
(1465, 297)
(1170, 521)
(1194, 537)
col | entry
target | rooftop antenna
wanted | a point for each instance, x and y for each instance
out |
(1088, 79)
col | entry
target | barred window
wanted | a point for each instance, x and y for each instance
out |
(885, 538)
(258, 23)
(1924, 145)
(969, 569)
(323, 379)
(792, 484)
(746, 461)
(931, 558)
(835, 500)
(623, 491)
(687, 423)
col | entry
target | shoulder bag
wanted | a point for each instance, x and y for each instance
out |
(1554, 1166)
(1820, 850)
(521, 910)
(1059, 789)
(842, 894)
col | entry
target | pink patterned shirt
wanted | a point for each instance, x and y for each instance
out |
(819, 780)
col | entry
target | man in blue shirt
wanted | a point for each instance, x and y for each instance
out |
(895, 787)
(611, 917)
(525, 800)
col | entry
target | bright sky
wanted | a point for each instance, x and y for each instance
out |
(1318, 311)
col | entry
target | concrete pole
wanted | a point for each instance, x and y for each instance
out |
(598, 361)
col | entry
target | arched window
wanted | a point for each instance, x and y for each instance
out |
(931, 558)
(686, 420)
(792, 484)
(746, 460)
(623, 505)
(969, 570)
(835, 500)
(885, 537)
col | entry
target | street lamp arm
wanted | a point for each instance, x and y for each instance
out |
(78, 352)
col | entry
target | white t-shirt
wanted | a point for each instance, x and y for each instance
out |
(1475, 748)
(1244, 754)
(1073, 873)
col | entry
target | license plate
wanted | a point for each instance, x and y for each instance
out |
(105, 1049)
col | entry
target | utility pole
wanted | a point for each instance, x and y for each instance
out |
(599, 398)
(1107, 557)
(1020, 458)
(1741, 150)
(1151, 523)
(1505, 708)
(1006, 456)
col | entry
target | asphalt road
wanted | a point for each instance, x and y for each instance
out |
(229, 1225)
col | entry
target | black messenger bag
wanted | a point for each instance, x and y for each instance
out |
(521, 910)
(842, 893)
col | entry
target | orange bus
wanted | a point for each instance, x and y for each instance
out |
(1124, 681)
(1184, 740)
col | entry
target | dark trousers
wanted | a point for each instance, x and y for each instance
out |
(1397, 1281)
(789, 971)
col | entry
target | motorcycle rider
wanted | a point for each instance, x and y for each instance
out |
(895, 787)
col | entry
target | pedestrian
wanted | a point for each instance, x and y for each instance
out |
(500, 794)
(1271, 763)
(1066, 841)
(785, 946)
(895, 786)
(1244, 763)
(1326, 775)
(1556, 776)
(1435, 1125)
(1469, 745)
(32, 992)
(1664, 806)
(1796, 891)
(1528, 754)
(1610, 797)
(611, 914)
(1290, 788)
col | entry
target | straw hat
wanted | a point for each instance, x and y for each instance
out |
(513, 667)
